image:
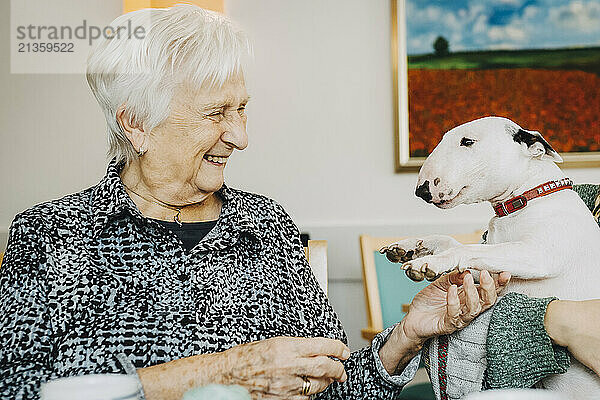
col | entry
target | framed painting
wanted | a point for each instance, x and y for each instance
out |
(536, 62)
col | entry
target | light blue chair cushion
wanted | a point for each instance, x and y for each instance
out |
(395, 289)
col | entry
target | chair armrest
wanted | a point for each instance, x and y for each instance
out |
(369, 333)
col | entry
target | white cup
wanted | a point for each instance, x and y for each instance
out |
(92, 387)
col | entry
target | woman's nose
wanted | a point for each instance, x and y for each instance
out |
(235, 133)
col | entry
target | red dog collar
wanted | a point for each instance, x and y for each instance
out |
(518, 202)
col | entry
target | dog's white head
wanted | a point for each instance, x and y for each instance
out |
(480, 161)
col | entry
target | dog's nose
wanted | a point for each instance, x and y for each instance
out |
(423, 192)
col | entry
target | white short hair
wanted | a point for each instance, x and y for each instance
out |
(180, 44)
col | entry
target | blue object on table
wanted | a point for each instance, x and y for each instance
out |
(217, 392)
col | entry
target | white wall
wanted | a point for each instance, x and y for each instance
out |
(320, 125)
(52, 139)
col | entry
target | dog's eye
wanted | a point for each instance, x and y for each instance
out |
(466, 142)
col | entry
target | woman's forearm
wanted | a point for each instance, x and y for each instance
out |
(172, 379)
(399, 349)
(576, 326)
(556, 321)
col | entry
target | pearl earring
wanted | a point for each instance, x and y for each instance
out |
(142, 149)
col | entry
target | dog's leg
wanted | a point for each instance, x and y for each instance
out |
(520, 259)
(413, 248)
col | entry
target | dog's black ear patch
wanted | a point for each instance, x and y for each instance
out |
(529, 138)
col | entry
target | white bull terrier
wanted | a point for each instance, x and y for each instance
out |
(543, 233)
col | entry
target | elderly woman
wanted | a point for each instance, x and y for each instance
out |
(165, 267)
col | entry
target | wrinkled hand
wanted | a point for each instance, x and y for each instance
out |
(451, 303)
(273, 368)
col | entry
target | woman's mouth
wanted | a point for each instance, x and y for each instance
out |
(216, 160)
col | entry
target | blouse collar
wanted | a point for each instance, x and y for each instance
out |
(110, 200)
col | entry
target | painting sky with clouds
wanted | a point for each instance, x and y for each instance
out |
(502, 24)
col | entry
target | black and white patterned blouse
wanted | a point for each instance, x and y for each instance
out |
(87, 277)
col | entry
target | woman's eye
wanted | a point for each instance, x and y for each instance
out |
(216, 115)
(241, 110)
(466, 142)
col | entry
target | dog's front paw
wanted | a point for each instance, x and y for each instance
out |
(428, 267)
(405, 250)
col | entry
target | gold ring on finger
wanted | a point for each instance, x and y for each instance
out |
(305, 386)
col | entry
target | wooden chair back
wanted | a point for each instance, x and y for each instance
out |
(316, 254)
(388, 300)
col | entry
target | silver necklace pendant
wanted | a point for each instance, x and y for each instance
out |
(177, 217)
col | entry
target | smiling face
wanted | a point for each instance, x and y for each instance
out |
(187, 153)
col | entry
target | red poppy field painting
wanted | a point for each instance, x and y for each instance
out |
(535, 62)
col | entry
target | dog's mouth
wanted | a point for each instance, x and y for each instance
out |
(448, 203)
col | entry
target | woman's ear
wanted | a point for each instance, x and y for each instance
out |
(133, 130)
